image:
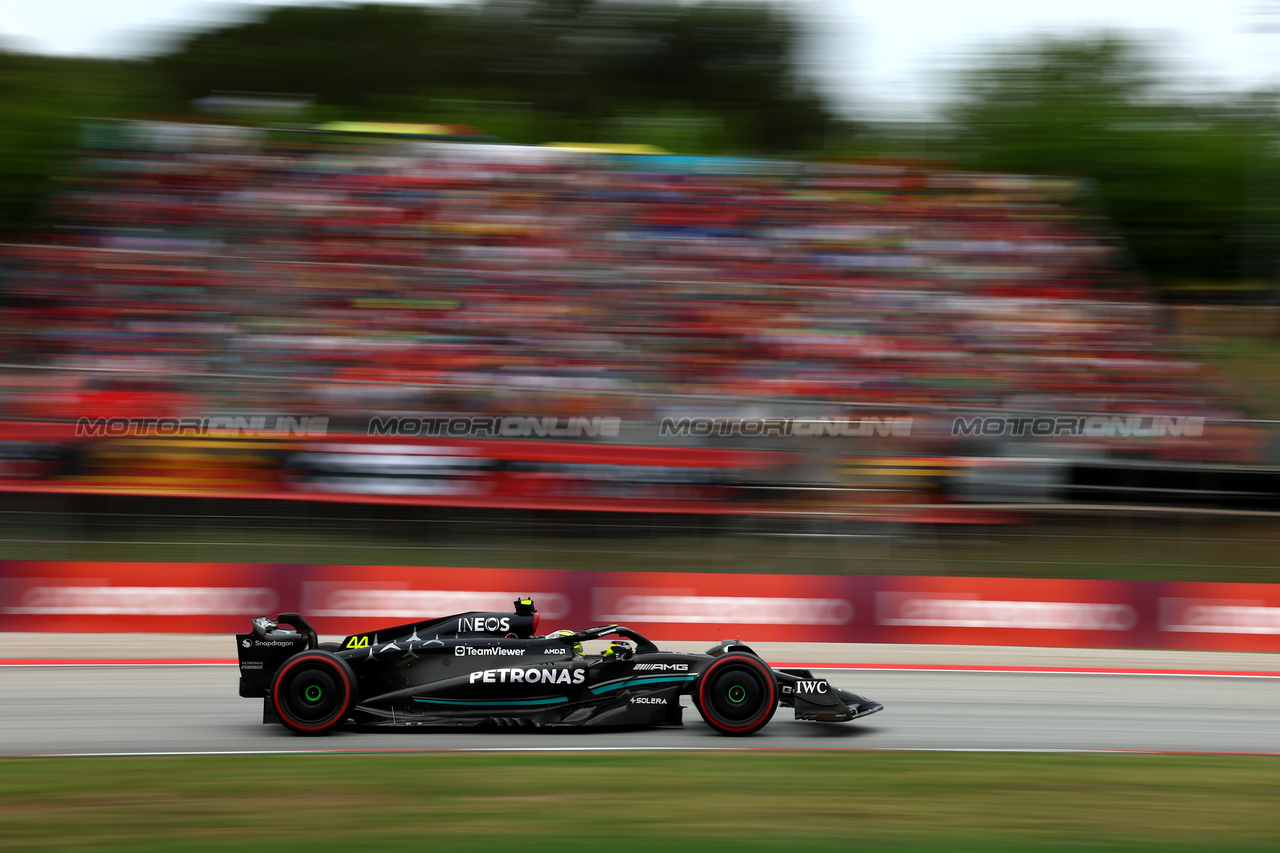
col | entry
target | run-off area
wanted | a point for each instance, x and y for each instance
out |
(179, 709)
(877, 783)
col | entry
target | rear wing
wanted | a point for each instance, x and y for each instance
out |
(267, 646)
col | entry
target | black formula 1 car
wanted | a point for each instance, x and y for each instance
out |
(489, 668)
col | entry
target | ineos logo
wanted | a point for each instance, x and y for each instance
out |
(481, 623)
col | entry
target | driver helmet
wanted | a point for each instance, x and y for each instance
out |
(618, 650)
(577, 647)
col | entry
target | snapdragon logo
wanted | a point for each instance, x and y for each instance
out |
(511, 426)
(787, 427)
(1096, 426)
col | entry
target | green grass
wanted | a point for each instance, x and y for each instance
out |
(1240, 550)
(671, 801)
(1249, 367)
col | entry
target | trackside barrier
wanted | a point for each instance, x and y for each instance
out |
(220, 597)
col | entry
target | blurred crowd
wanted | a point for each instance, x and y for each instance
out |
(376, 274)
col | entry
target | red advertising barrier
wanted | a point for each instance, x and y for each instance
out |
(191, 598)
(1242, 617)
(1013, 612)
(221, 597)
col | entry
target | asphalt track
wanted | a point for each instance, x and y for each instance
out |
(66, 710)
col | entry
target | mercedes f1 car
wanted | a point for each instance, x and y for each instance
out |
(490, 668)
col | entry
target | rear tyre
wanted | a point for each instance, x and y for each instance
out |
(736, 694)
(313, 692)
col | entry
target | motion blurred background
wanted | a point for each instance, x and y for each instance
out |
(900, 323)
(1010, 310)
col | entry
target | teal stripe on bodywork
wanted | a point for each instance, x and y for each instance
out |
(552, 701)
(641, 682)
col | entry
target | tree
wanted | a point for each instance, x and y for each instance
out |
(578, 63)
(1190, 184)
(42, 99)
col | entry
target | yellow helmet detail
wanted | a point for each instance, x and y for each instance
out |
(577, 647)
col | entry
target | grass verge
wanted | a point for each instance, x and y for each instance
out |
(1250, 368)
(674, 801)
(1246, 551)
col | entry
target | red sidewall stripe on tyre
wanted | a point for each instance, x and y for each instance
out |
(764, 671)
(275, 694)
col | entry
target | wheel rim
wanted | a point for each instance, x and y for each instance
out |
(738, 694)
(311, 694)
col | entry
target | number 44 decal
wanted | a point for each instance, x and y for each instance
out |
(357, 642)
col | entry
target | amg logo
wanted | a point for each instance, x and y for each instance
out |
(483, 624)
(803, 687)
(663, 667)
(533, 675)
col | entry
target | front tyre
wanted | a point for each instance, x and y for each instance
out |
(313, 692)
(736, 694)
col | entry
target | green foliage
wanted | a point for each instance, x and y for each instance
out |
(1190, 184)
(41, 99)
(576, 66)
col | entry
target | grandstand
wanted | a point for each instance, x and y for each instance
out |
(367, 275)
